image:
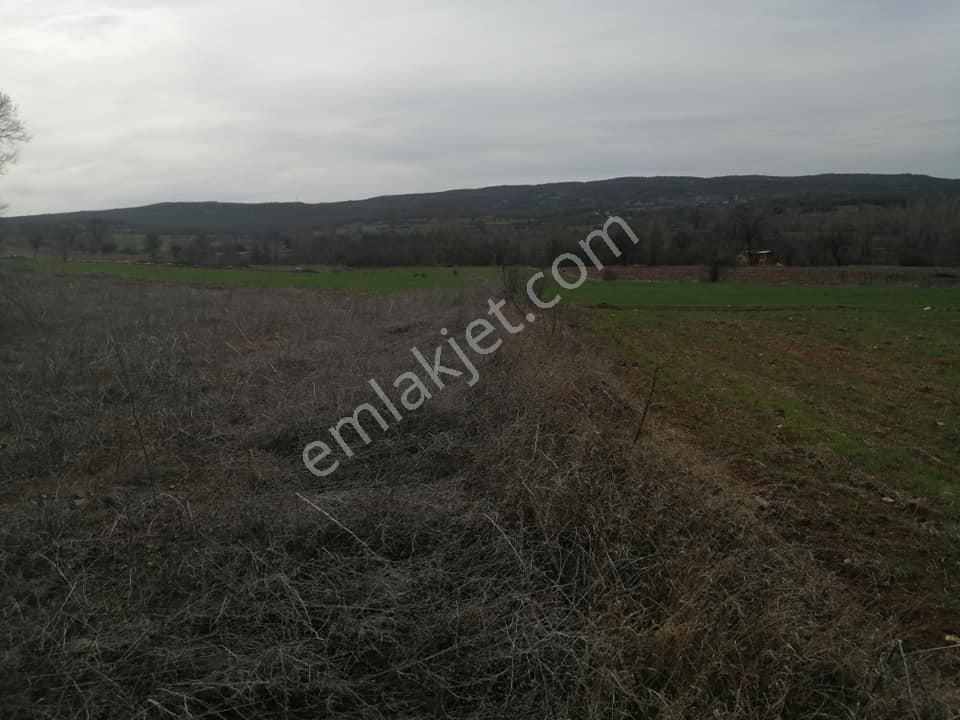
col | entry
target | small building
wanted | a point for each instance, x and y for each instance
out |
(756, 257)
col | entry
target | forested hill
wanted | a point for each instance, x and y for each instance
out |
(567, 200)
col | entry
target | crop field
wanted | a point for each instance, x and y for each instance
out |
(321, 278)
(769, 531)
(837, 407)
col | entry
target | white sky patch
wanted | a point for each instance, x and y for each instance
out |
(139, 101)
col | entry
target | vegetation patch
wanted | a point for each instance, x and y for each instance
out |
(315, 278)
(838, 406)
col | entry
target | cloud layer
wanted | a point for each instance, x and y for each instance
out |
(139, 101)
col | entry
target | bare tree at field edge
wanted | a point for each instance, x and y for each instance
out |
(13, 133)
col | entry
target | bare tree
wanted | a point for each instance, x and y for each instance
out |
(99, 233)
(12, 133)
(718, 251)
(65, 240)
(36, 241)
(840, 240)
(152, 245)
(749, 228)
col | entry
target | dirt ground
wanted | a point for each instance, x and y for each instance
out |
(508, 550)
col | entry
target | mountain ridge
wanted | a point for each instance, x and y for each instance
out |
(537, 202)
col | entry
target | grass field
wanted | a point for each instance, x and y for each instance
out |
(870, 372)
(839, 404)
(765, 297)
(372, 280)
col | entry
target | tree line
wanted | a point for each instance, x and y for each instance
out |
(923, 233)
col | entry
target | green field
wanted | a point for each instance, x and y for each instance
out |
(747, 296)
(867, 372)
(623, 294)
(870, 374)
(840, 403)
(366, 280)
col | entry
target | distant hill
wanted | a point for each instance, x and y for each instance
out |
(566, 200)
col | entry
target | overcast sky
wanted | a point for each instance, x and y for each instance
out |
(137, 101)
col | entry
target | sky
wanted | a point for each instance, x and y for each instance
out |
(131, 102)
